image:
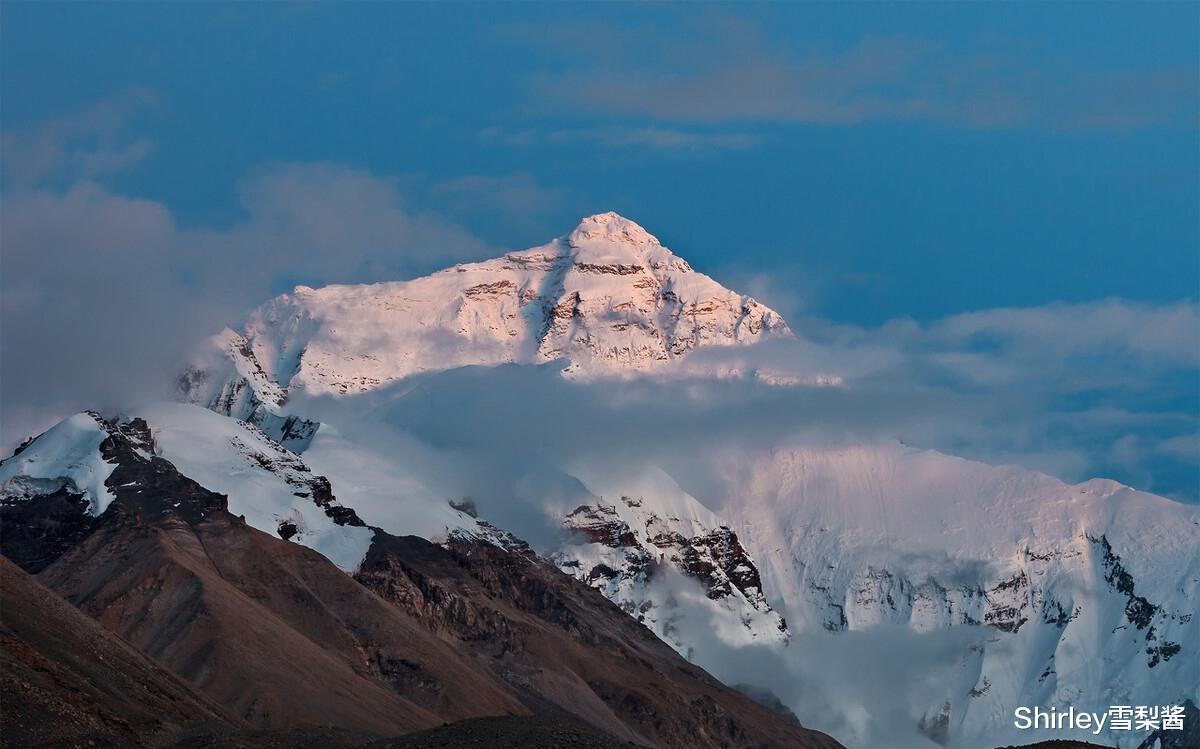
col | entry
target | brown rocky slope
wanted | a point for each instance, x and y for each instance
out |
(279, 638)
(65, 678)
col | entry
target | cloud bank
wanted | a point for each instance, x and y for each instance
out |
(1076, 391)
(102, 294)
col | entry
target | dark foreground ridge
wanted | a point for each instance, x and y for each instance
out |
(1059, 745)
(505, 733)
(167, 621)
(1159, 740)
(65, 679)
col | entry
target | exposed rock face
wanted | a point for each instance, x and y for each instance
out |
(601, 525)
(560, 644)
(877, 595)
(35, 530)
(1028, 596)
(43, 516)
(858, 538)
(936, 724)
(608, 298)
(718, 559)
(288, 466)
(269, 629)
(634, 550)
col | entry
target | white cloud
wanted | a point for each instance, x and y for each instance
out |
(102, 294)
(1162, 334)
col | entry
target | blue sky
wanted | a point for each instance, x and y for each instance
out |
(1043, 206)
(854, 163)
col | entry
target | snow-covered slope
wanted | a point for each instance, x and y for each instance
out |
(67, 457)
(608, 299)
(1090, 592)
(273, 488)
(658, 553)
(270, 486)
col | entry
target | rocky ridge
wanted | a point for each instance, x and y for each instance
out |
(625, 553)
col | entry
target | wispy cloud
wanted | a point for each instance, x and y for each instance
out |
(1109, 387)
(729, 70)
(1070, 390)
(661, 138)
(89, 143)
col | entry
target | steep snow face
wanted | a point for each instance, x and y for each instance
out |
(385, 492)
(1090, 591)
(270, 486)
(67, 456)
(608, 299)
(330, 500)
(664, 558)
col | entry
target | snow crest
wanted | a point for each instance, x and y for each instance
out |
(67, 456)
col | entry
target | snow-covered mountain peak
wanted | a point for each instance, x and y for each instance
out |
(608, 299)
(610, 227)
(609, 239)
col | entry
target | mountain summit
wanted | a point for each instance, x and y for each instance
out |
(608, 298)
(611, 227)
